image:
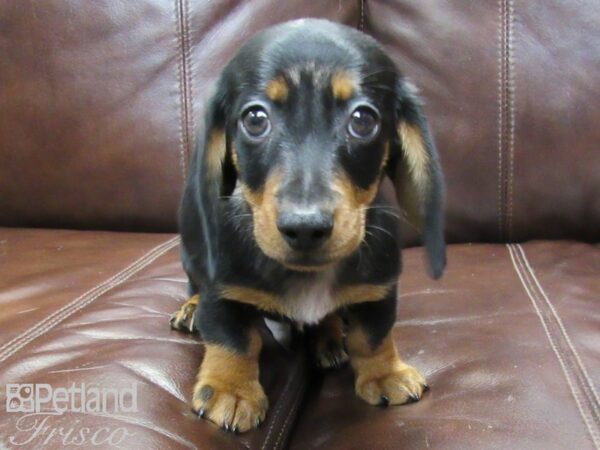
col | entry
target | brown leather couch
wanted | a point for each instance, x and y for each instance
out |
(98, 106)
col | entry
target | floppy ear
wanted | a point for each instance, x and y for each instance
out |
(211, 176)
(417, 175)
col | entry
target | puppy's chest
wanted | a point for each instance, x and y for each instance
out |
(309, 300)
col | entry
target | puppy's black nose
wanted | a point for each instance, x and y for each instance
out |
(305, 231)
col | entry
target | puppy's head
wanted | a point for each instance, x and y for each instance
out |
(306, 120)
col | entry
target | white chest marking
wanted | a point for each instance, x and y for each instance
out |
(308, 301)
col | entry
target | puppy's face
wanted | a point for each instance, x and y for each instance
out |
(305, 119)
(310, 141)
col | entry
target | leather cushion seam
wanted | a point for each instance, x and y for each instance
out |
(530, 291)
(589, 389)
(282, 400)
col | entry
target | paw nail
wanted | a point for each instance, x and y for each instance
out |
(235, 430)
(226, 427)
(426, 387)
(414, 398)
(384, 400)
(257, 423)
(201, 413)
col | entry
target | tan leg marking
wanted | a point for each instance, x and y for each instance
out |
(328, 343)
(382, 378)
(183, 318)
(227, 391)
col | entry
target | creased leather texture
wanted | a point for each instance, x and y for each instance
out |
(117, 333)
(511, 364)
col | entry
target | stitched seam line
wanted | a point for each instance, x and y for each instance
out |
(589, 389)
(361, 23)
(83, 300)
(506, 118)
(189, 78)
(184, 135)
(290, 414)
(505, 107)
(520, 269)
(500, 111)
(529, 290)
(510, 87)
(89, 292)
(284, 395)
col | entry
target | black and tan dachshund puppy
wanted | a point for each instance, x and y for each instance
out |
(282, 215)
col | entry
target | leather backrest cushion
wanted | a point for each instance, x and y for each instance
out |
(99, 102)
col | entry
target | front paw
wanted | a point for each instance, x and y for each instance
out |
(235, 408)
(396, 386)
(327, 341)
(183, 318)
(330, 354)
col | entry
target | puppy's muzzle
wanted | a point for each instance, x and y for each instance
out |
(305, 230)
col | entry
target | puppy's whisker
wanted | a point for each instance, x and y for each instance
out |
(379, 87)
(233, 217)
(366, 245)
(383, 230)
(376, 72)
(386, 210)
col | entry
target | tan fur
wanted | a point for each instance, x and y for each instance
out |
(263, 204)
(234, 159)
(381, 376)
(227, 390)
(359, 293)
(412, 174)
(277, 89)
(263, 300)
(215, 154)
(349, 220)
(350, 215)
(415, 155)
(343, 85)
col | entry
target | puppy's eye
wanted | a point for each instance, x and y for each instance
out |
(255, 122)
(364, 123)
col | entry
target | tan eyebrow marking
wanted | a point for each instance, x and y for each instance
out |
(343, 85)
(277, 89)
